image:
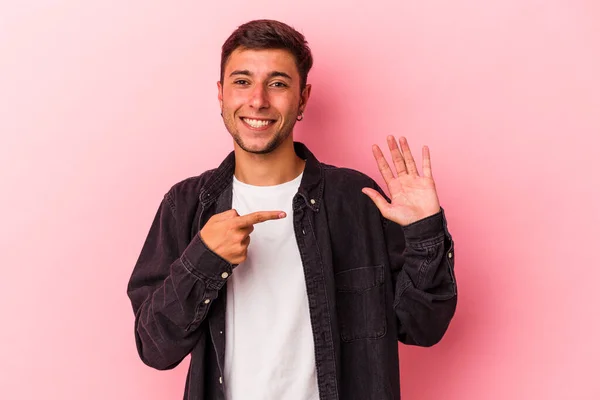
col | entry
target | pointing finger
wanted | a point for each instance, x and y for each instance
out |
(225, 215)
(258, 217)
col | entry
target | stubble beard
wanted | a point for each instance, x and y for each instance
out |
(278, 138)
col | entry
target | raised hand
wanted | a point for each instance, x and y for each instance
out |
(228, 235)
(413, 197)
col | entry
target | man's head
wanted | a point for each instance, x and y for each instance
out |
(262, 88)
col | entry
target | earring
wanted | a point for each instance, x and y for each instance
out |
(300, 117)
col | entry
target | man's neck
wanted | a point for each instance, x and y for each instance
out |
(277, 167)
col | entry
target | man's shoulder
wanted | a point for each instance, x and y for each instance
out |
(344, 176)
(343, 190)
(189, 188)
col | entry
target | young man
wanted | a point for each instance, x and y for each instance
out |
(283, 277)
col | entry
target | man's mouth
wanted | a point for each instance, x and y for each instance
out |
(257, 123)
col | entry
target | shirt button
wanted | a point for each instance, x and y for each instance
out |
(450, 255)
(312, 201)
(221, 380)
(206, 301)
(224, 275)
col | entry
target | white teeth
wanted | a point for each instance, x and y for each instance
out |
(256, 123)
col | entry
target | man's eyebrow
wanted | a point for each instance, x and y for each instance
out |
(273, 74)
(241, 72)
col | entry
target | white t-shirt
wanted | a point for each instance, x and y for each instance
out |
(269, 347)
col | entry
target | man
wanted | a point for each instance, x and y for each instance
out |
(283, 277)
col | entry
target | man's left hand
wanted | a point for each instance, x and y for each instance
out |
(413, 197)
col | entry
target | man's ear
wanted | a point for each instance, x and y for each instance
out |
(304, 96)
(220, 94)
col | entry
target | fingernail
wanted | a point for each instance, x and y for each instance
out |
(282, 215)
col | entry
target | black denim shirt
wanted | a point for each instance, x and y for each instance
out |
(370, 283)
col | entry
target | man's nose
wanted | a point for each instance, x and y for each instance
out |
(259, 97)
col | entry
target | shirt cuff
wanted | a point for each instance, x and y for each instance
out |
(205, 264)
(427, 228)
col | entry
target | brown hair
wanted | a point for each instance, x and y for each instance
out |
(269, 34)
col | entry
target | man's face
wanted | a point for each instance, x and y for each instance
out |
(260, 98)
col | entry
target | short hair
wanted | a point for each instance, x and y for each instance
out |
(269, 34)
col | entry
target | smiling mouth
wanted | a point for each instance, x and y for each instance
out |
(257, 123)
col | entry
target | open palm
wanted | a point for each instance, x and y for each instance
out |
(413, 197)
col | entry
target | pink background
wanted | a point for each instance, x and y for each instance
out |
(105, 104)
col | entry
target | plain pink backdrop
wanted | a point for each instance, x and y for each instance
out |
(104, 105)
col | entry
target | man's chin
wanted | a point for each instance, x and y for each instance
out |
(257, 148)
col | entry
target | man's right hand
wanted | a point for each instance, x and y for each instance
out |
(228, 234)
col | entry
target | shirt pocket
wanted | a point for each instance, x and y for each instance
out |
(361, 303)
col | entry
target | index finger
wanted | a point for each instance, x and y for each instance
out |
(258, 217)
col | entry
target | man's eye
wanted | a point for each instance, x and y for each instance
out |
(240, 82)
(279, 84)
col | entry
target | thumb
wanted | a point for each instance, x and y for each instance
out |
(378, 199)
(226, 215)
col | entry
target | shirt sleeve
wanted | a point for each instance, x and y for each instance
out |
(171, 289)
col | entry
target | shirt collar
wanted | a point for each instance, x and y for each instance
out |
(311, 186)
